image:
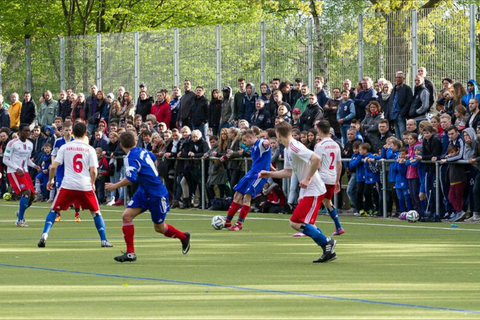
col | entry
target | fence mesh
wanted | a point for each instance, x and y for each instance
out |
(45, 66)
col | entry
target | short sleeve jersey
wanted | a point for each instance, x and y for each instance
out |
(140, 167)
(56, 146)
(261, 156)
(297, 158)
(18, 153)
(330, 153)
(77, 157)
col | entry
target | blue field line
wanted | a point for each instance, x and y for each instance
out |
(393, 304)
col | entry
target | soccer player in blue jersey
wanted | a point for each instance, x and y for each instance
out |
(67, 137)
(250, 185)
(151, 195)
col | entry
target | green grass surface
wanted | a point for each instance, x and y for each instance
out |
(381, 264)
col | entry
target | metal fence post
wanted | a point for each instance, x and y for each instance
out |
(473, 55)
(136, 55)
(360, 47)
(262, 52)
(414, 45)
(203, 184)
(437, 188)
(384, 188)
(99, 61)
(1, 83)
(62, 63)
(219, 56)
(246, 165)
(176, 58)
(310, 52)
(28, 52)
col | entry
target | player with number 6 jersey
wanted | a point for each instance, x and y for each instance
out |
(330, 170)
(80, 163)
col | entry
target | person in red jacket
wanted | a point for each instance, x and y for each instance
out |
(103, 175)
(161, 109)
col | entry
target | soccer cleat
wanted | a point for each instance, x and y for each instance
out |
(338, 232)
(58, 218)
(127, 256)
(21, 224)
(236, 227)
(328, 252)
(186, 243)
(228, 224)
(106, 244)
(78, 219)
(298, 234)
(43, 239)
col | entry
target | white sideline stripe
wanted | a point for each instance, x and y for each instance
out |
(414, 226)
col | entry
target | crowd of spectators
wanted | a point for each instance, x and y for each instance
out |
(370, 121)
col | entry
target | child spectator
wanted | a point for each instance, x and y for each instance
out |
(372, 178)
(357, 163)
(304, 138)
(296, 118)
(460, 117)
(271, 199)
(456, 178)
(102, 176)
(415, 162)
(358, 129)
(401, 183)
(412, 173)
(390, 152)
(352, 181)
(284, 114)
(42, 178)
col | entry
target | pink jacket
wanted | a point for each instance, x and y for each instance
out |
(411, 170)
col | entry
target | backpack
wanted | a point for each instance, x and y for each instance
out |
(220, 204)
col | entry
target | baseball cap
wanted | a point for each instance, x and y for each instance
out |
(296, 110)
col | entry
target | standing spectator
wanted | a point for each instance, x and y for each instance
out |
(474, 118)
(384, 99)
(161, 109)
(238, 98)
(472, 92)
(296, 118)
(475, 160)
(217, 174)
(62, 97)
(143, 88)
(127, 109)
(114, 114)
(402, 98)
(289, 94)
(78, 110)
(215, 111)
(120, 93)
(48, 109)
(144, 105)
(347, 85)
(302, 102)
(413, 174)
(4, 116)
(379, 139)
(198, 148)
(261, 117)
(432, 147)
(175, 106)
(65, 108)
(199, 112)
(266, 95)
(186, 102)
(429, 85)
(3, 103)
(103, 174)
(330, 111)
(448, 103)
(100, 141)
(458, 93)
(248, 103)
(447, 85)
(14, 110)
(226, 117)
(106, 108)
(277, 103)
(345, 114)
(28, 114)
(421, 101)
(313, 112)
(457, 179)
(370, 124)
(322, 94)
(460, 116)
(91, 108)
(364, 97)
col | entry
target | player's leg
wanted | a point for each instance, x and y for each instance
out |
(232, 210)
(128, 233)
(23, 205)
(247, 199)
(49, 221)
(76, 206)
(61, 202)
(332, 211)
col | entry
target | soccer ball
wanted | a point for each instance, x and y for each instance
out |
(412, 216)
(7, 196)
(218, 222)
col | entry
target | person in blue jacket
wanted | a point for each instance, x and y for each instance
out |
(415, 162)
(472, 92)
(401, 183)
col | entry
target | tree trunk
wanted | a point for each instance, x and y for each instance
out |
(320, 52)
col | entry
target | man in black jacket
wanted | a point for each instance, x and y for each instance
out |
(312, 112)
(261, 117)
(474, 118)
(28, 114)
(401, 99)
(200, 112)
(186, 102)
(428, 84)
(4, 117)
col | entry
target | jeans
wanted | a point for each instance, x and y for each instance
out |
(203, 129)
(476, 194)
(352, 190)
(114, 179)
(293, 195)
(344, 128)
(400, 126)
(91, 128)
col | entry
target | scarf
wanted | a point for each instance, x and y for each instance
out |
(385, 96)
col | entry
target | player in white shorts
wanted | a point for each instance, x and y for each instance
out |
(330, 170)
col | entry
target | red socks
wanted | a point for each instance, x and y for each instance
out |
(232, 210)
(128, 232)
(243, 213)
(172, 232)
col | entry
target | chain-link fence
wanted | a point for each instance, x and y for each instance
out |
(374, 44)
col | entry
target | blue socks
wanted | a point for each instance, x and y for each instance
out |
(49, 221)
(100, 224)
(333, 214)
(314, 233)
(24, 204)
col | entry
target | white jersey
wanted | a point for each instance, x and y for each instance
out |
(77, 158)
(17, 155)
(330, 153)
(297, 158)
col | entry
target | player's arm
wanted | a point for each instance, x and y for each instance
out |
(7, 157)
(32, 164)
(339, 173)
(131, 171)
(285, 173)
(93, 174)
(314, 163)
(51, 174)
(120, 184)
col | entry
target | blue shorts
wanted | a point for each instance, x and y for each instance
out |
(250, 185)
(157, 206)
(58, 182)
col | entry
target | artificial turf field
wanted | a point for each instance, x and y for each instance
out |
(386, 269)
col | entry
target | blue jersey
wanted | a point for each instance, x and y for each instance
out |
(60, 169)
(140, 167)
(261, 156)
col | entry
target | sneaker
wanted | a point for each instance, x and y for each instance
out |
(446, 217)
(111, 202)
(403, 216)
(119, 202)
(453, 217)
(338, 232)
(106, 244)
(127, 256)
(363, 213)
(228, 224)
(460, 216)
(356, 214)
(78, 219)
(186, 243)
(328, 252)
(21, 224)
(58, 218)
(43, 239)
(236, 227)
(474, 218)
(299, 234)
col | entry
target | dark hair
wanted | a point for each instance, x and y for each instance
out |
(385, 121)
(47, 145)
(241, 79)
(356, 144)
(248, 132)
(414, 135)
(429, 129)
(298, 80)
(79, 129)
(138, 116)
(366, 146)
(403, 149)
(452, 148)
(114, 124)
(324, 126)
(397, 143)
(276, 79)
(147, 133)
(23, 125)
(283, 128)
(451, 128)
(7, 130)
(271, 132)
(345, 91)
(127, 140)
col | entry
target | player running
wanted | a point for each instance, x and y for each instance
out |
(250, 185)
(80, 161)
(151, 195)
(17, 159)
(67, 137)
(330, 170)
(305, 164)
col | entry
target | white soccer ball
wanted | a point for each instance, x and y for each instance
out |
(218, 222)
(412, 216)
